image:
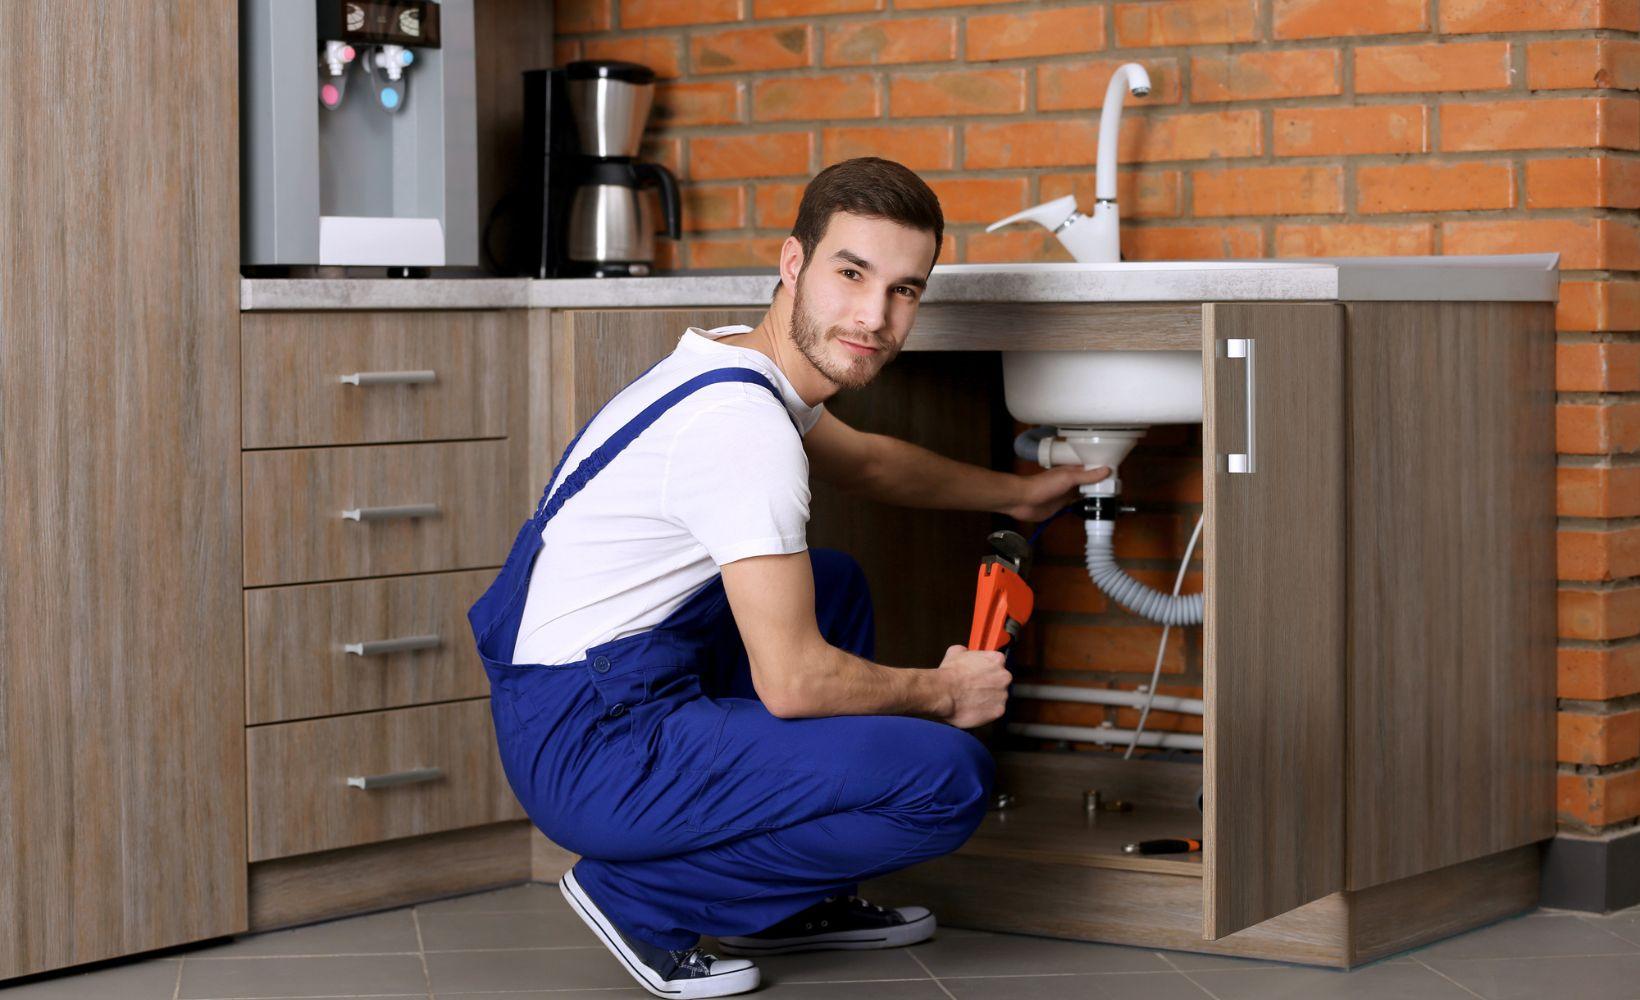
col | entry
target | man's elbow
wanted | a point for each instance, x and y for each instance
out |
(792, 690)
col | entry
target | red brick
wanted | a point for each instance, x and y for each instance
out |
(1583, 244)
(1029, 144)
(1597, 492)
(1211, 136)
(716, 206)
(661, 53)
(1117, 648)
(1598, 674)
(1597, 428)
(1611, 367)
(1354, 240)
(664, 13)
(566, 51)
(979, 199)
(1168, 478)
(1427, 68)
(1599, 739)
(1066, 588)
(1464, 16)
(711, 103)
(1141, 194)
(1335, 18)
(1265, 75)
(1600, 614)
(667, 152)
(761, 251)
(1267, 191)
(877, 42)
(1598, 305)
(763, 154)
(1544, 123)
(1079, 84)
(1435, 187)
(926, 4)
(745, 49)
(1590, 556)
(1007, 246)
(919, 147)
(1583, 182)
(1375, 128)
(957, 92)
(762, 9)
(1186, 22)
(577, 17)
(1056, 31)
(1598, 799)
(808, 97)
(1583, 64)
(775, 205)
(1189, 243)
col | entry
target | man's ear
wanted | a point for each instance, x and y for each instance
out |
(791, 262)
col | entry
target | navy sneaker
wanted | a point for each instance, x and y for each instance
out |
(687, 973)
(846, 922)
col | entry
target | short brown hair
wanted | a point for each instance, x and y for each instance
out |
(871, 187)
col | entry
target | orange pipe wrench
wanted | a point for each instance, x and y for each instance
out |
(1002, 600)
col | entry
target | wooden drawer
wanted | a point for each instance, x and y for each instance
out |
(330, 648)
(295, 501)
(293, 365)
(301, 800)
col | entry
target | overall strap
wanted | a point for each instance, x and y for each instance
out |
(595, 462)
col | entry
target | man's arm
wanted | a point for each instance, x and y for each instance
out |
(798, 674)
(891, 471)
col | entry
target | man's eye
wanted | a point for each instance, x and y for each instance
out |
(848, 272)
(907, 290)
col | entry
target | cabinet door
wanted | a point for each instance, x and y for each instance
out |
(1274, 630)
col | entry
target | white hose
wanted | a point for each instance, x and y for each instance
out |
(1144, 601)
(1161, 647)
(1105, 734)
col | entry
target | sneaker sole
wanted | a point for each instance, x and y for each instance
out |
(864, 940)
(741, 981)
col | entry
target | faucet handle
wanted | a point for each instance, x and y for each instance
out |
(1050, 214)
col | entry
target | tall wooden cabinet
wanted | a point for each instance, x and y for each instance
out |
(122, 824)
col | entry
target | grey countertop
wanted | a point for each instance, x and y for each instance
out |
(1509, 278)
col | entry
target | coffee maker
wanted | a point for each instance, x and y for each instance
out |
(581, 211)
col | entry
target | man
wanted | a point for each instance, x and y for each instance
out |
(683, 694)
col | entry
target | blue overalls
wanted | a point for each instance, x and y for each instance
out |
(694, 809)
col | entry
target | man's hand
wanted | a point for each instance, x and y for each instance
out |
(978, 684)
(1043, 494)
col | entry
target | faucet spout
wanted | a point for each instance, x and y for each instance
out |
(1130, 77)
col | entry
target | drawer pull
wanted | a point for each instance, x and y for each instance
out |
(415, 776)
(389, 378)
(381, 647)
(388, 513)
(1245, 462)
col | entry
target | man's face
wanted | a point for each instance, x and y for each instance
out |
(857, 295)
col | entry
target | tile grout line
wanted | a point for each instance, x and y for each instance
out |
(924, 966)
(421, 952)
(1163, 956)
(176, 991)
(1586, 922)
(1448, 978)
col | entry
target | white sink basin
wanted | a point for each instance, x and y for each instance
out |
(1103, 388)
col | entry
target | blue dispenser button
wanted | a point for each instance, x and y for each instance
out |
(407, 57)
(390, 98)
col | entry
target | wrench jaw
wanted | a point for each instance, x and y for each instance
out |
(1012, 550)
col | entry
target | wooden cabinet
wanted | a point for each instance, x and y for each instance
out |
(1379, 624)
(122, 824)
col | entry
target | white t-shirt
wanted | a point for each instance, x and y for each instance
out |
(720, 476)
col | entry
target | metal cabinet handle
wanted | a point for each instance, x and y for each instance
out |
(381, 647)
(389, 378)
(1245, 462)
(369, 782)
(388, 513)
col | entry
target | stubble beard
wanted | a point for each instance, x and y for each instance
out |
(810, 341)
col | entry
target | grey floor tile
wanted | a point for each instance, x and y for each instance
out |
(1096, 986)
(317, 976)
(153, 979)
(378, 933)
(527, 898)
(463, 930)
(978, 953)
(635, 991)
(567, 969)
(1589, 977)
(1388, 981)
(1624, 923)
(836, 966)
(1535, 935)
(913, 989)
(1191, 961)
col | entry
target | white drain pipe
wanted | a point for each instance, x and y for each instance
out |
(1107, 734)
(1101, 696)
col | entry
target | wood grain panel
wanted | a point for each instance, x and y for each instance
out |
(296, 665)
(300, 800)
(121, 685)
(329, 884)
(1057, 326)
(1273, 636)
(1451, 583)
(295, 532)
(293, 363)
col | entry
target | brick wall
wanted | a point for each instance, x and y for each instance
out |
(1275, 128)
